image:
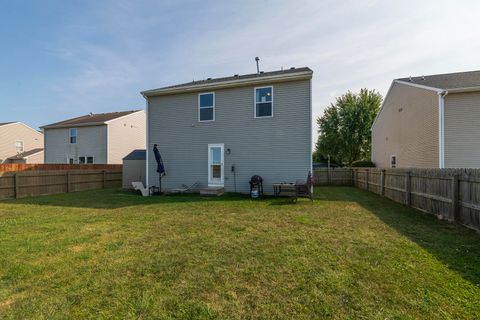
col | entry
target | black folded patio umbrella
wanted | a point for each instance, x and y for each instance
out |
(160, 167)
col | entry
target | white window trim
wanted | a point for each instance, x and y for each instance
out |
(23, 146)
(255, 102)
(93, 159)
(70, 135)
(396, 161)
(222, 172)
(201, 94)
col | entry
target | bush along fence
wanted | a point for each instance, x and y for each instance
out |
(34, 183)
(450, 194)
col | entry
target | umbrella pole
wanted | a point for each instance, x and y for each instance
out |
(160, 183)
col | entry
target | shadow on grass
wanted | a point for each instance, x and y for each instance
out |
(456, 246)
(116, 198)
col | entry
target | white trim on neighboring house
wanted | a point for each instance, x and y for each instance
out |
(441, 129)
(255, 102)
(147, 142)
(311, 128)
(108, 143)
(213, 106)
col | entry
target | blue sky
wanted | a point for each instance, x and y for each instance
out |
(60, 59)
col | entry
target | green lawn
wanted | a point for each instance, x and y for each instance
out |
(350, 254)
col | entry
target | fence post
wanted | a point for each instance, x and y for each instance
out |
(368, 179)
(15, 182)
(454, 212)
(68, 181)
(408, 187)
(104, 172)
(382, 183)
(328, 176)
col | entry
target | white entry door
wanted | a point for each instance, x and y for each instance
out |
(215, 164)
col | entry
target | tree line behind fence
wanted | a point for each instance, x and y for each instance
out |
(450, 194)
(33, 183)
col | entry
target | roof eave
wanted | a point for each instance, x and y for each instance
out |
(72, 125)
(304, 75)
(466, 89)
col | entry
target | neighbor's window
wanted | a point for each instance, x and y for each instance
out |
(85, 160)
(206, 106)
(73, 135)
(393, 161)
(19, 146)
(263, 102)
(71, 161)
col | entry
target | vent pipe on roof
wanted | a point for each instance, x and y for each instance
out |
(258, 68)
(410, 79)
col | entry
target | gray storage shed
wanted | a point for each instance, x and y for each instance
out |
(134, 168)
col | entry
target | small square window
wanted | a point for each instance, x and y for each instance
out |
(263, 102)
(81, 160)
(89, 160)
(19, 146)
(73, 135)
(71, 161)
(393, 161)
(206, 106)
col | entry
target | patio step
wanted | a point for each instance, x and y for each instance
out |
(212, 191)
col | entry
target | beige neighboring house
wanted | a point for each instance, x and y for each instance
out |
(20, 143)
(104, 138)
(429, 122)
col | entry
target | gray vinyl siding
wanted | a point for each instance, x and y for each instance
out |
(91, 141)
(462, 130)
(412, 133)
(277, 148)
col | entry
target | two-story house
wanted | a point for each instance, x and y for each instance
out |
(20, 144)
(221, 132)
(429, 122)
(103, 138)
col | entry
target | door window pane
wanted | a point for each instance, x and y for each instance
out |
(216, 171)
(216, 155)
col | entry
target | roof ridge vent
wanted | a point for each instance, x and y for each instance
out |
(235, 75)
(262, 72)
(410, 78)
(423, 77)
(209, 79)
(292, 68)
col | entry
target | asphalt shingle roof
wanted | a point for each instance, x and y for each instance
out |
(94, 118)
(26, 153)
(4, 123)
(138, 154)
(447, 81)
(237, 77)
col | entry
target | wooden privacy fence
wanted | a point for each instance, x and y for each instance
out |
(450, 194)
(8, 167)
(35, 183)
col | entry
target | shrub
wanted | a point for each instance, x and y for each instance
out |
(363, 164)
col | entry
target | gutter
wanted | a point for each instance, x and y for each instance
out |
(441, 128)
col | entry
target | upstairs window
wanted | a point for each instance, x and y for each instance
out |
(206, 106)
(263, 102)
(73, 135)
(393, 161)
(19, 146)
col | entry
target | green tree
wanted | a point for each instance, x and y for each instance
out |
(345, 127)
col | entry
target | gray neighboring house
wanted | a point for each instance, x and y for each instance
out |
(221, 132)
(20, 143)
(104, 138)
(429, 122)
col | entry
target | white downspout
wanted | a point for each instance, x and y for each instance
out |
(441, 129)
(146, 142)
